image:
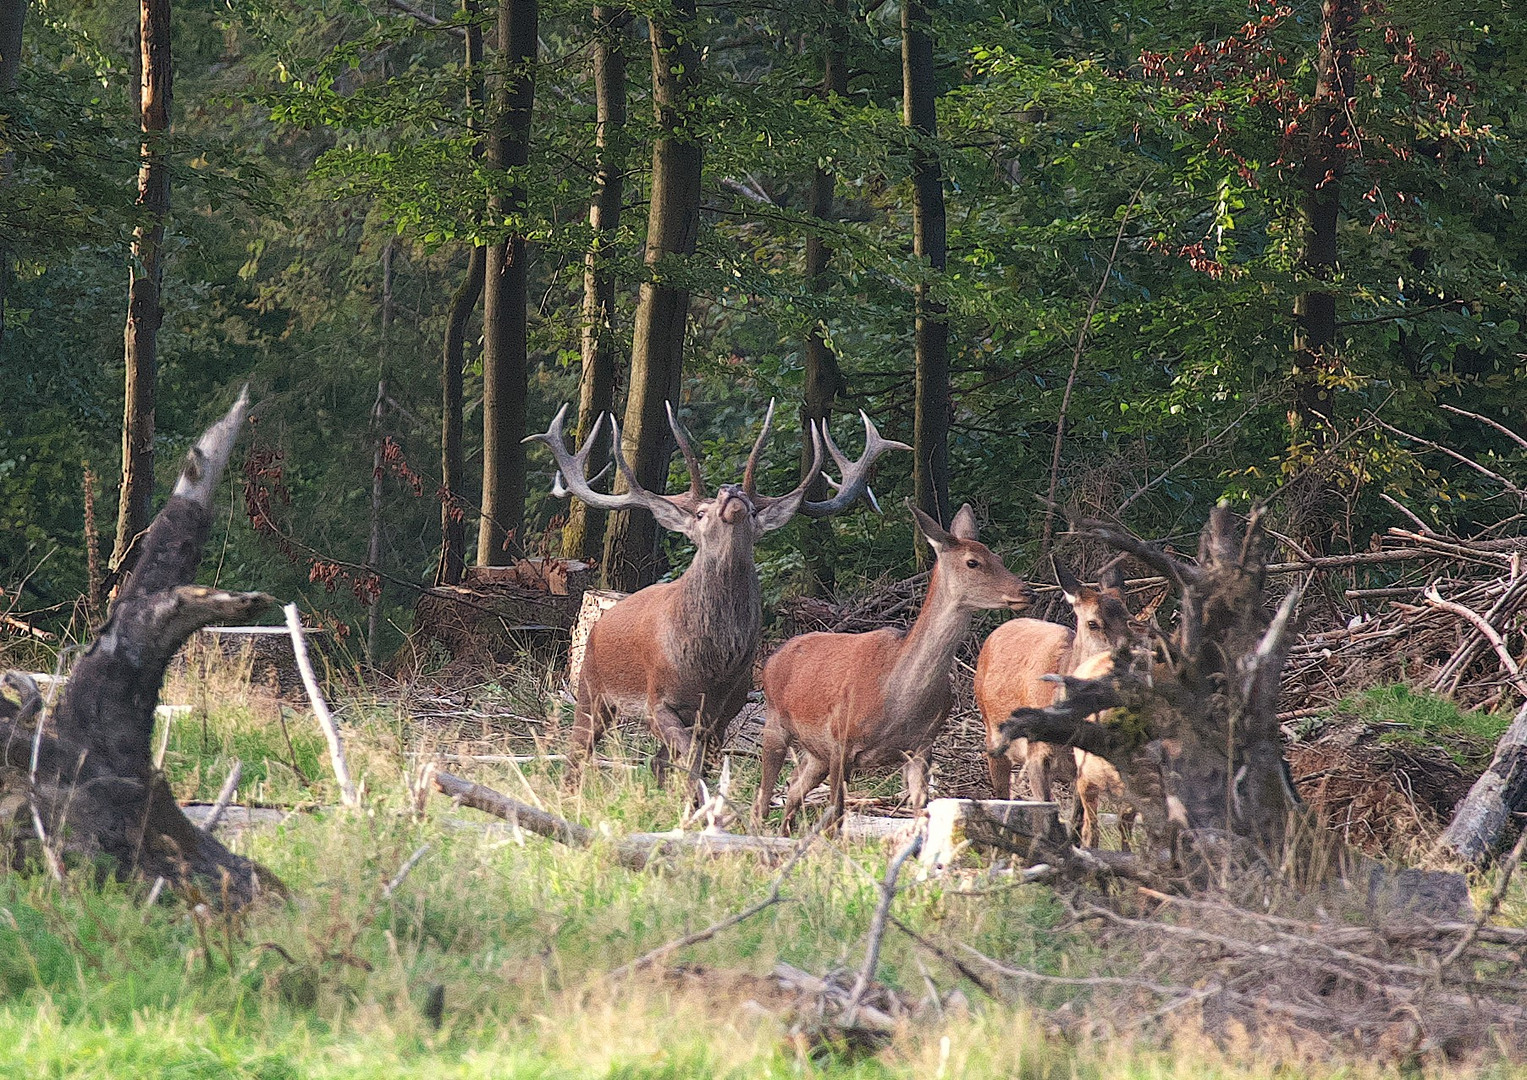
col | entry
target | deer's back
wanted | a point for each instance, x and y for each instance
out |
(1013, 662)
(826, 688)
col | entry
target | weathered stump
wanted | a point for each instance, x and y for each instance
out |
(85, 785)
(1191, 722)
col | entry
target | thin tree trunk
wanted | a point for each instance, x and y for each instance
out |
(374, 544)
(505, 364)
(1325, 162)
(823, 378)
(453, 523)
(601, 352)
(930, 426)
(13, 15)
(145, 312)
(631, 557)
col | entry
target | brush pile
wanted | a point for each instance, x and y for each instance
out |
(1443, 622)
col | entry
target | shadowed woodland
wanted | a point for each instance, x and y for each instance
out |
(1061, 467)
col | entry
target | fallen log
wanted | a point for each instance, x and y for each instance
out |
(85, 773)
(1482, 815)
(636, 851)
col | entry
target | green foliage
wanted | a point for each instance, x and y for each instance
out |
(1422, 719)
(310, 135)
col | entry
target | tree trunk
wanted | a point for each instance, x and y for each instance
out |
(13, 15)
(94, 790)
(601, 352)
(144, 310)
(631, 558)
(930, 425)
(505, 363)
(1195, 732)
(453, 484)
(822, 379)
(1483, 814)
(1325, 162)
(453, 521)
(374, 540)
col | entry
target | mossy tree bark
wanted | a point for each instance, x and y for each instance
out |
(631, 557)
(145, 312)
(930, 424)
(822, 380)
(505, 297)
(453, 482)
(601, 354)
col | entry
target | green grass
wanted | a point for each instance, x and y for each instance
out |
(1417, 718)
(518, 932)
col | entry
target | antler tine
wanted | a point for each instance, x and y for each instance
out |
(855, 482)
(572, 467)
(750, 473)
(691, 459)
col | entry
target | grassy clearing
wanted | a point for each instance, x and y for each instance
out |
(1416, 718)
(516, 934)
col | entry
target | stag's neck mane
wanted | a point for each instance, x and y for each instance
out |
(921, 671)
(719, 609)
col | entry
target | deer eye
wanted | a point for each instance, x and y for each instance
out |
(699, 514)
(974, 564)
(1093, 624)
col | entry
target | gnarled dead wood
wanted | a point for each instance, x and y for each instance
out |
(88, 774)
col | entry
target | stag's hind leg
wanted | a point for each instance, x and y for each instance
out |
(914, 775)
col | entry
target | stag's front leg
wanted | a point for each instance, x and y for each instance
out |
(679, 744)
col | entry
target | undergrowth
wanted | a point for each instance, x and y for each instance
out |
(1417, 718)
(491, 957)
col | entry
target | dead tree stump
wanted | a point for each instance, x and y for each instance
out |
(85, 786)
(1191, 724)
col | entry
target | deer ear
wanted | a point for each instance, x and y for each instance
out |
(964, 527)
(1111, 580)
(932, 531)
(1069, 583)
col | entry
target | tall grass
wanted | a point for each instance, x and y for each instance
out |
(513, 934)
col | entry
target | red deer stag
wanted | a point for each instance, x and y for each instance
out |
(856, 701)
(683, 650)
(1011, 670)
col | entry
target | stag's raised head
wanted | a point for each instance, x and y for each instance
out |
(972, 573)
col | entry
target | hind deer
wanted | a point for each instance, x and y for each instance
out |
(856, 701)
(1019, 654)
(1095, 776)
(682, 651)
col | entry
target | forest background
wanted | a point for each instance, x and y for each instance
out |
(1143, 255)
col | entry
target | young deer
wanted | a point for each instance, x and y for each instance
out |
(856, 701)
(1011, 670)
(1095, 776)
(683, 650)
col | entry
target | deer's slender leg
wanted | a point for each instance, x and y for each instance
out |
(837, 785)
(1000, 769)
(1036, 771)
(915, 775)
(591, 716)
(809, 770)
(772, 753)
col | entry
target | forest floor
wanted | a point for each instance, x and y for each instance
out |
(493, 954)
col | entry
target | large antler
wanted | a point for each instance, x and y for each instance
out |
(775, 510)
(856, 474)
(573, 479)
